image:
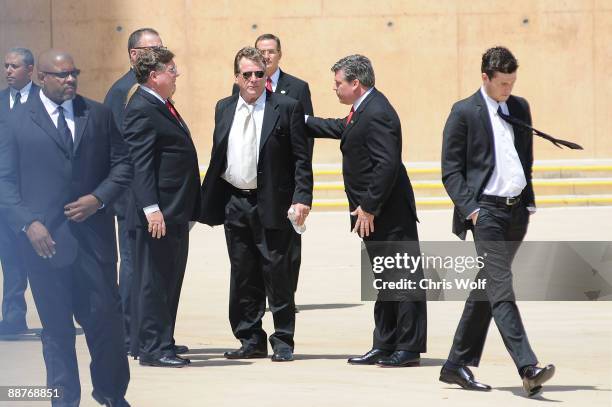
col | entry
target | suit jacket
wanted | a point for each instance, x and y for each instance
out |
(116, 100)
(468, 154)
(374, 176)
(5, 93)
(165, 162)
(39, 176)
(284, 170)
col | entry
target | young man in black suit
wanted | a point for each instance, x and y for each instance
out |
(116, 100)
(259, 169)
(380, 197)
(486, 170)
(64, 163)
(165, 198)
(18, 65)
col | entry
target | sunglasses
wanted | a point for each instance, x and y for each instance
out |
(247, 75)
(63, 75)
(154, 47)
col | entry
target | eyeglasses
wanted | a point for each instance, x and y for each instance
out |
(154, 47)
(265, 52)
(63, 75)
(247, 75)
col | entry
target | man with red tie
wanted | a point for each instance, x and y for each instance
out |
(165, 198)
(381, 200)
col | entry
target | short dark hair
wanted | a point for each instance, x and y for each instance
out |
(498, 59)
(269, 37)
(149, 60)
(136, 35)
(250, 53)
(356, 67)
(24, 53)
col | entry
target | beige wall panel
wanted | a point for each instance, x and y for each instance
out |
(602, 61)
(555, 53)
(603, 5)
(391, 8)
(201, 10)
(24, 23)
(523, 7)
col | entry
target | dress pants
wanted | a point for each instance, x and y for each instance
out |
(159, 268)
(88, 291)
(296, 259)
(499, 231)
(260, 267)
(15, 280)
(125, 274)
(398, 325)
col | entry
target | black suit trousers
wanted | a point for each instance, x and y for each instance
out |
(15, 280)
(87, 290)
(159, 268)
(398, 325)
(125, 275)
(260, 261)
(499, 231)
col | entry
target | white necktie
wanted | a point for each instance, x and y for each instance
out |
(248, 169)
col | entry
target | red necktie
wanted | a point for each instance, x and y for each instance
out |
(350, 116)
(269, 84)
(176, 115)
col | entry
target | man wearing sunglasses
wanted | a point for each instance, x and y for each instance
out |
(165, 197)
(63, 166)
(260, 168)
(116, 99)
(18, 65)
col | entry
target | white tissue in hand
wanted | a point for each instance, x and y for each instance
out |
(292, 217)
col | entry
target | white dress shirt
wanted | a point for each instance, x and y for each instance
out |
(508, 177)
(51, 108)
(234, 155)
(24, 93)
(361, 98)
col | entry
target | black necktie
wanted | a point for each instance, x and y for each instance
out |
(17, 100)
(63, 129)
(519, 123)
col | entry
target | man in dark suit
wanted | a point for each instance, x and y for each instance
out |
(18, 65)
(486, 170)
(165, 198)
(279, 81)
(380, 197)
(259, 169)
(64, 163)
(116, 99)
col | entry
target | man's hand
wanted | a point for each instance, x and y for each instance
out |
(301, 213)
(157, 226)
(474, 217)
(41, 240)
(82, 208)
(365, 222)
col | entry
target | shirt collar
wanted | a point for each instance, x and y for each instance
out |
(51, 106)
(492, 104)
(261, 100)
(361, 98)
(274, 77)
(152, 92)
(23, 91)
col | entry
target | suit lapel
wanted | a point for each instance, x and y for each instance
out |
(81, 114)
(227, 118)
(163, 109)
(5, 104)
(515, 111)
(283, 85)
(270, 118)
(483, 112)
(356, 114)
(41, 118)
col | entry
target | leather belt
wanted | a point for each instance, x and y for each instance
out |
(501, 200)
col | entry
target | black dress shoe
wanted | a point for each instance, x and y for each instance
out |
(246, 352)
(180, 349)
(400, 358)
(12, 328)
(165, 361)
(109, 402)
(282, 355)
(370, 358)
(534, 377)
(462, 376)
